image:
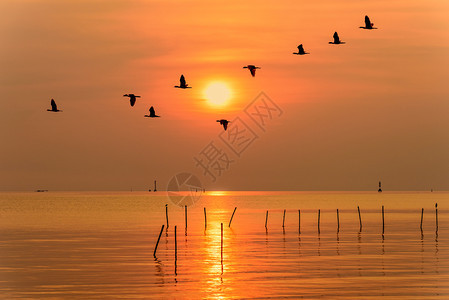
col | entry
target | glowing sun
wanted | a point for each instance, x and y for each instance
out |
(217, 93)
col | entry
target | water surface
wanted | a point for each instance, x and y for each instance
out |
(100, 246)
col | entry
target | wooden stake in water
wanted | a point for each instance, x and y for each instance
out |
(283, 219)
(221, 243)
(232, 217)
(158, 239)
(422, 213)
(185, 213)
(176, 254)
(436, 217)
(299, 221)
(338, 222)
(166, 214)
(176, 246)
(205, 219)
(266, 220)
(360, 219)
(383, 221)
(319, 212)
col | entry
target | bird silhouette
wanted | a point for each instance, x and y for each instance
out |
(54, 108)
(224, 123)
(368, 24)
(252, 69)
(300, 51)
(152, 113)
(336, 39)
(132, 98)
(182, 83)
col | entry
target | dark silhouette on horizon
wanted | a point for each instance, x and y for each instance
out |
(152, 113)
(380, 187)
(224, 123)
(336, 39)
(301, 51)
(182, 83)
(54, 108)
(132, 98)
(368, 24)
(252, 69)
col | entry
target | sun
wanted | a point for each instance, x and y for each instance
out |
(217, 93)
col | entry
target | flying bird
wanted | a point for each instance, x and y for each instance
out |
(132, 98)
(54, 108)
(300, 51)
(252, 69)
(368, 24)
(336, 39)
(182, 83)
(224, 123)
(152, 113)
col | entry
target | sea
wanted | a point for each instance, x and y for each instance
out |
(101, 245)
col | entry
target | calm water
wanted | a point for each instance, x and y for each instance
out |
(100, 246)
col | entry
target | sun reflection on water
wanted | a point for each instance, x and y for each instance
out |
(215, 267)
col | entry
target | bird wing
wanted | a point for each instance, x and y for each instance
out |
(152, 112)
(53, 105)
(300, 49)
(132, 100)
(225, 125)
(367, 22)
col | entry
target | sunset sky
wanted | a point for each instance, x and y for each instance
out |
(375, 108)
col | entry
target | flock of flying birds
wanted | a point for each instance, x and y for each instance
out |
(251, 68)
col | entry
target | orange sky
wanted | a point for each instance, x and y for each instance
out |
(373, 109)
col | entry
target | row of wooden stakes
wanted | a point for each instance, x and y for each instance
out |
(283, 223)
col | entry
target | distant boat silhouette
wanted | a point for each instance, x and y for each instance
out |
(336, 39)
(368, 24)
(224, 123)
(54, 108)
(182, 83)
(300, 51)
(152, 113)
(132, 98)
(252, 69)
